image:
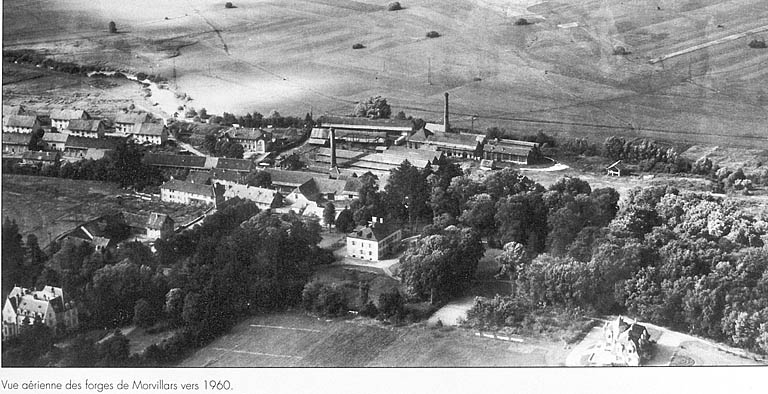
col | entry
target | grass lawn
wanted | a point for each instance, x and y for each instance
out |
(293, 339)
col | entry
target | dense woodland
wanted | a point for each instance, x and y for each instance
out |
(199, 283)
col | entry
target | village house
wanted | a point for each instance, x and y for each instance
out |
(264, 198)
(60, 118)
(9, 110)
(90, 128)
(103, 232)
(467, 146)
(55, 141)
(181, 192)
(373, 242)
(626, 343)
(25, 124)
(125, 122)
(44, 159)
(23, 307)
(287, 181)
(617, 169)
(79, 148)
(159, 225)
(15, 143)
(252, 140)
(151, 133)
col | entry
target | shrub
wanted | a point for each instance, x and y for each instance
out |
(757, 44)
(391, 304)
(433, 34)
(229, 5)
(324, 299)
(112, 27)
(358, 46)
(522, 22)
(369, 310)
(394, 6)
(620, 51)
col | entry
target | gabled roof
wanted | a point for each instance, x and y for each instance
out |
(192, 188)
(454, 140)
(245, 133)
(309, 189)
(516, 150)
(40, 156)
(16, 138)
(616, 166)
(156, 221)
(85, 125)
(375, 232)
(234, 164)
(55, 137)
(226, 175)
(167, 160)
(352, 185)
(77, 142)
(20, 121)
(366, 124)
(154, 129)
(199, 177)
(329, 186)
(288, 178)
(68, 114)
(128, 118)
(255, 194)
(13, 110)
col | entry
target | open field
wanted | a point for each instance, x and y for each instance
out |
(293, 339)
(40, 89)
(49, 207)
(297, 55)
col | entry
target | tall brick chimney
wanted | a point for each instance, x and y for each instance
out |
(445, 115)
(332, 137)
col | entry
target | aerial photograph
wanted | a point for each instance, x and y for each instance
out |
(375, 183)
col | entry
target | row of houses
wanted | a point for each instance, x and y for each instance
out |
(59, 146)
(78, 123)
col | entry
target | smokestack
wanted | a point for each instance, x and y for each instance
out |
(332, 137)
(445, 115)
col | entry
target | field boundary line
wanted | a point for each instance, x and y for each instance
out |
(284, 328)
(708, 44)
(255, 353)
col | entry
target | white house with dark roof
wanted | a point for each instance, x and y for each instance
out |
(264, 198)
(23, 307)
(152, 133)
(181, 192)
(15, 143)
(86, 128)
(159, 225)
(125, 122)
(373, 242)
(55, 141)
(60, 118)
(25, 124)
(252, 140)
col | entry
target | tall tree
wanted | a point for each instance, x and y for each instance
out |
(329, 214)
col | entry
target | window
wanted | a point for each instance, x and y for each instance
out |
(353, 243)
(370, 253)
